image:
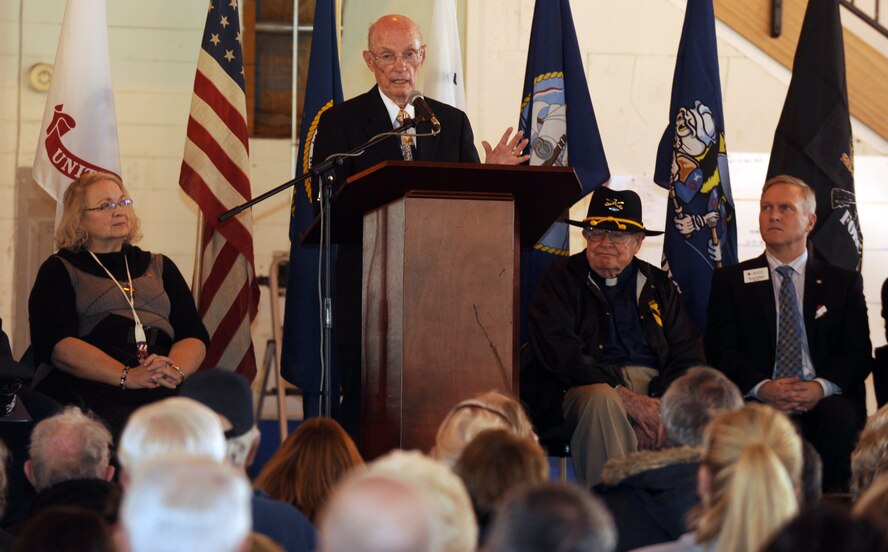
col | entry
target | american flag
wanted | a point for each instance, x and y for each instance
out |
(215, 174)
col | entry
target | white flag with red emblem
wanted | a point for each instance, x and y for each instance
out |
(79, 130)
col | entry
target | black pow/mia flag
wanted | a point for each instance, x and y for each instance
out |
(813, 138)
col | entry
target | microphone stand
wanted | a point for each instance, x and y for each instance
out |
(325, 173)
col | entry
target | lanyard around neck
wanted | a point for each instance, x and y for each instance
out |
(139, 331)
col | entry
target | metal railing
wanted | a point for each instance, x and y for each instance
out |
(869, 11)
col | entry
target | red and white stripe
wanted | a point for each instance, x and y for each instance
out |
(215, 174)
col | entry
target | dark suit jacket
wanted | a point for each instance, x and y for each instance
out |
(741, 329)
(352, 123)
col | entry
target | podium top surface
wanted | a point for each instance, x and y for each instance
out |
(541, 194)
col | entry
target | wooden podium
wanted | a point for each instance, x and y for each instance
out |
(441, 245)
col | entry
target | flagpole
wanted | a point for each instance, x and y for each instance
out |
(198, 259)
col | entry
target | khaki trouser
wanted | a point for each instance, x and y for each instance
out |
(602, 429)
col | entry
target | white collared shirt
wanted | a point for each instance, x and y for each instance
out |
(393, 110)
(798, 265)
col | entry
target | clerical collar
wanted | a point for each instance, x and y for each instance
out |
(623, 277)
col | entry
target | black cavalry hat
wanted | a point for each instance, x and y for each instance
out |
(614, 210)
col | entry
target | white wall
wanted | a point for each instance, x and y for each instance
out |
(629, 56)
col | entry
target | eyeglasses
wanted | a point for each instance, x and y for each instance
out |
(386, 59)
(110, 205)
(597, 235)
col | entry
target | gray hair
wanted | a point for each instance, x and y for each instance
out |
(69, 445)
(237, 449)
(353, 520)
(565, 517)
(455, 528)
(179, 503)
(174, 425)
(692, 400)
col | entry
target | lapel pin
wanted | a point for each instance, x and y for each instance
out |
(821, 310)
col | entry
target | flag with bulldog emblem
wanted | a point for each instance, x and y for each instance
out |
(701, 232)
(813, 138)
(555, 79)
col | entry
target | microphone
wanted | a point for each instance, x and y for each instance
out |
(424, 112)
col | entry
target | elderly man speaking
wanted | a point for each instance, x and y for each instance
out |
(609, 334)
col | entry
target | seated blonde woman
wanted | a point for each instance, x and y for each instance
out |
(491, 410)
(748, 482)
(870, 457)
(115, 325)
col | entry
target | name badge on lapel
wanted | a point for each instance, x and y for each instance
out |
(756, 275)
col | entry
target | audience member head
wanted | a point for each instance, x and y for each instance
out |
(229, 395)
(491, 410)
(809, 198)
(309, 463)
(390, 38)
(692, 400)
(495, 462)
(454, 526)
(870, 458)
(748, 478)
(69, 445)
(552, 517)
(826, 527)
(873, 506)
(174, 425)
(65, 529)
(812, 475)
(377, 513)
(71, 232)
(181, 502)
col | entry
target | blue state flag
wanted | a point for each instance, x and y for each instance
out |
(558, 119)
(300, 353)
(692, 162)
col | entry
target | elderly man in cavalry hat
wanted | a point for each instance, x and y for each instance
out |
(608, 333)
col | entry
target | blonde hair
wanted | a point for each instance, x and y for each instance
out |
(808, 195)
(870, 457)
(873, 505)
(71, 234)
(491, 410)
(754, 456)
(454, 527)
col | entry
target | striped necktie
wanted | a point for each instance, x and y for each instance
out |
(789, 328)
(406, 139)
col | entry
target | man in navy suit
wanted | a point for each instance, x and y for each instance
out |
(807, 352)
(395, 54)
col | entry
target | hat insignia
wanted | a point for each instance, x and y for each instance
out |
(613, 204)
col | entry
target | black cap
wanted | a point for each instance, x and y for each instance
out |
(615, 210)
(227, 393)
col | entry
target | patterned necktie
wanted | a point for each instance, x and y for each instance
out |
(406, 139)
(789, 330)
